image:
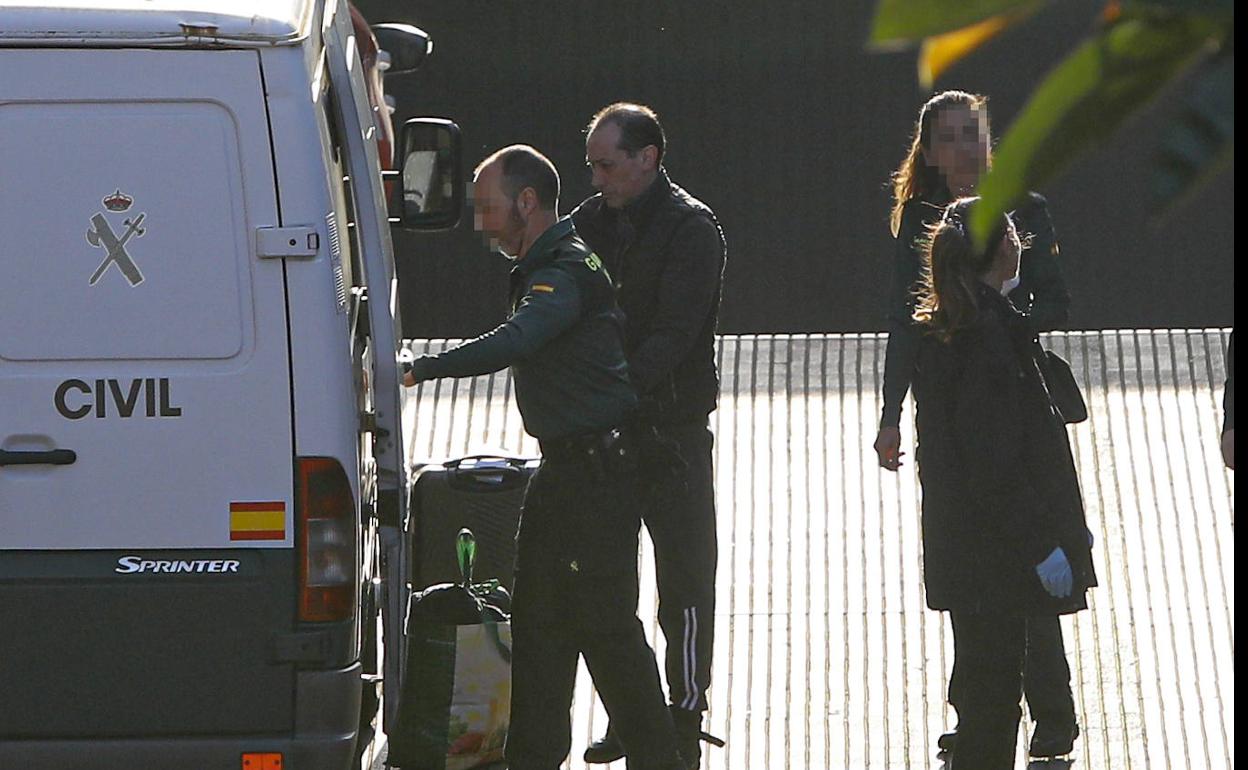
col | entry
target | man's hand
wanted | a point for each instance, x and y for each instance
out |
(415, 371)
(1228, 448)
(888, 448)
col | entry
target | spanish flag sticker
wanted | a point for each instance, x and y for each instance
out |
(258, 521)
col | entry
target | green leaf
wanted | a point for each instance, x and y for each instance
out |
(941, 52)
(1083, 101)
(1200, 143)
(909, 21)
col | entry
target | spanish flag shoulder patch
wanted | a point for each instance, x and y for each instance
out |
(545, 287)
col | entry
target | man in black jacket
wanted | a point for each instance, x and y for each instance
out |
(665, 252)
(576, 563)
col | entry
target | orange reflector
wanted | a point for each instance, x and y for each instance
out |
(262, 761)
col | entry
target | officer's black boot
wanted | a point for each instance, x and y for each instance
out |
(604, 750)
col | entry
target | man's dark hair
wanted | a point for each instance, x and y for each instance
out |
(522, 167)
(639, 127)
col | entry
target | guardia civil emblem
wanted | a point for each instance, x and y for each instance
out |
(101, 235)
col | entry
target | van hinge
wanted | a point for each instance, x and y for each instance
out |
(284, 242)
(368, 424)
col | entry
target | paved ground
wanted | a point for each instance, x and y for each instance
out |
(826, 655)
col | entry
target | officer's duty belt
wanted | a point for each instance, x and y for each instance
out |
(591, 444)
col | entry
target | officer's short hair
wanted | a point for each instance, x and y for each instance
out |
(523, 166)
(639, 126)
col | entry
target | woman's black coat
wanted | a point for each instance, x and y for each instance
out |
(1000, 490)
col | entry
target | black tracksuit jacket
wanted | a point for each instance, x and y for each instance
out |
(665, 252)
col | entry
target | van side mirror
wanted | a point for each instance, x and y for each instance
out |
(433, 187)
(408, 46)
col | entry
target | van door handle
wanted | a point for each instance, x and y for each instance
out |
(50, 457)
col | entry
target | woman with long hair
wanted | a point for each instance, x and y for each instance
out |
(1005, 543)
(949, 151)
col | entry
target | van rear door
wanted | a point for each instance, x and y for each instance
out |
(146, 568)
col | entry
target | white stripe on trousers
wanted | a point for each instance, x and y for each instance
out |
(691, 659)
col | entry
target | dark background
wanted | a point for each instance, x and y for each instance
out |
(780, 119)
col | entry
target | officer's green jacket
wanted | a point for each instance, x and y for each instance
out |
(563, 341)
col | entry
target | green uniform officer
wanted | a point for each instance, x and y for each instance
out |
(576, 568)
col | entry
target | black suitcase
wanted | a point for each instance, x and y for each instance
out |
(480, 492)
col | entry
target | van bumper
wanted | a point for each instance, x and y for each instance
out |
(327, 713)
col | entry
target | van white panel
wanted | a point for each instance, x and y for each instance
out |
(157, 22)
(178, 396)
(320, 342)
(177, 165)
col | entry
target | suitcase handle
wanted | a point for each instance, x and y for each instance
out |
(486, 473)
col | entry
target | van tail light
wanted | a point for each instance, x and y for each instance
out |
(327, 541)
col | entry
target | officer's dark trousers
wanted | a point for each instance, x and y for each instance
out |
(681, 522)
(576, 594)
(1046, 675)
(989, 650)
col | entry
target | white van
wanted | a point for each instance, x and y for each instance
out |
(201, 474)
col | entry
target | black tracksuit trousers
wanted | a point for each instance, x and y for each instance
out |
(681, 522)
(576, 595)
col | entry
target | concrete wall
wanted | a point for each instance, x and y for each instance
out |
(780, 119)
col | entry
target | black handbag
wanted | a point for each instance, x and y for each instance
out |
(1063, 389)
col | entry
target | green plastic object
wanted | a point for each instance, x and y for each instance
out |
(466, 553)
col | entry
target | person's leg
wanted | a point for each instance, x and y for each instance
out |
(947, 741)
(682, 526)
(543, 654)
(543, 673)
(680, 517)
(990, 651)
(602, 519)
(624, 670)
(1046, 685)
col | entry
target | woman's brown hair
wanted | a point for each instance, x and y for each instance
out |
(951, 271)
(915, 178)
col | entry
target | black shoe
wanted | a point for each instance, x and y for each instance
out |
(947, 741)
(604, 750)
(690, 763)
(1047, 743)
(688, 726)
(689, 736)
